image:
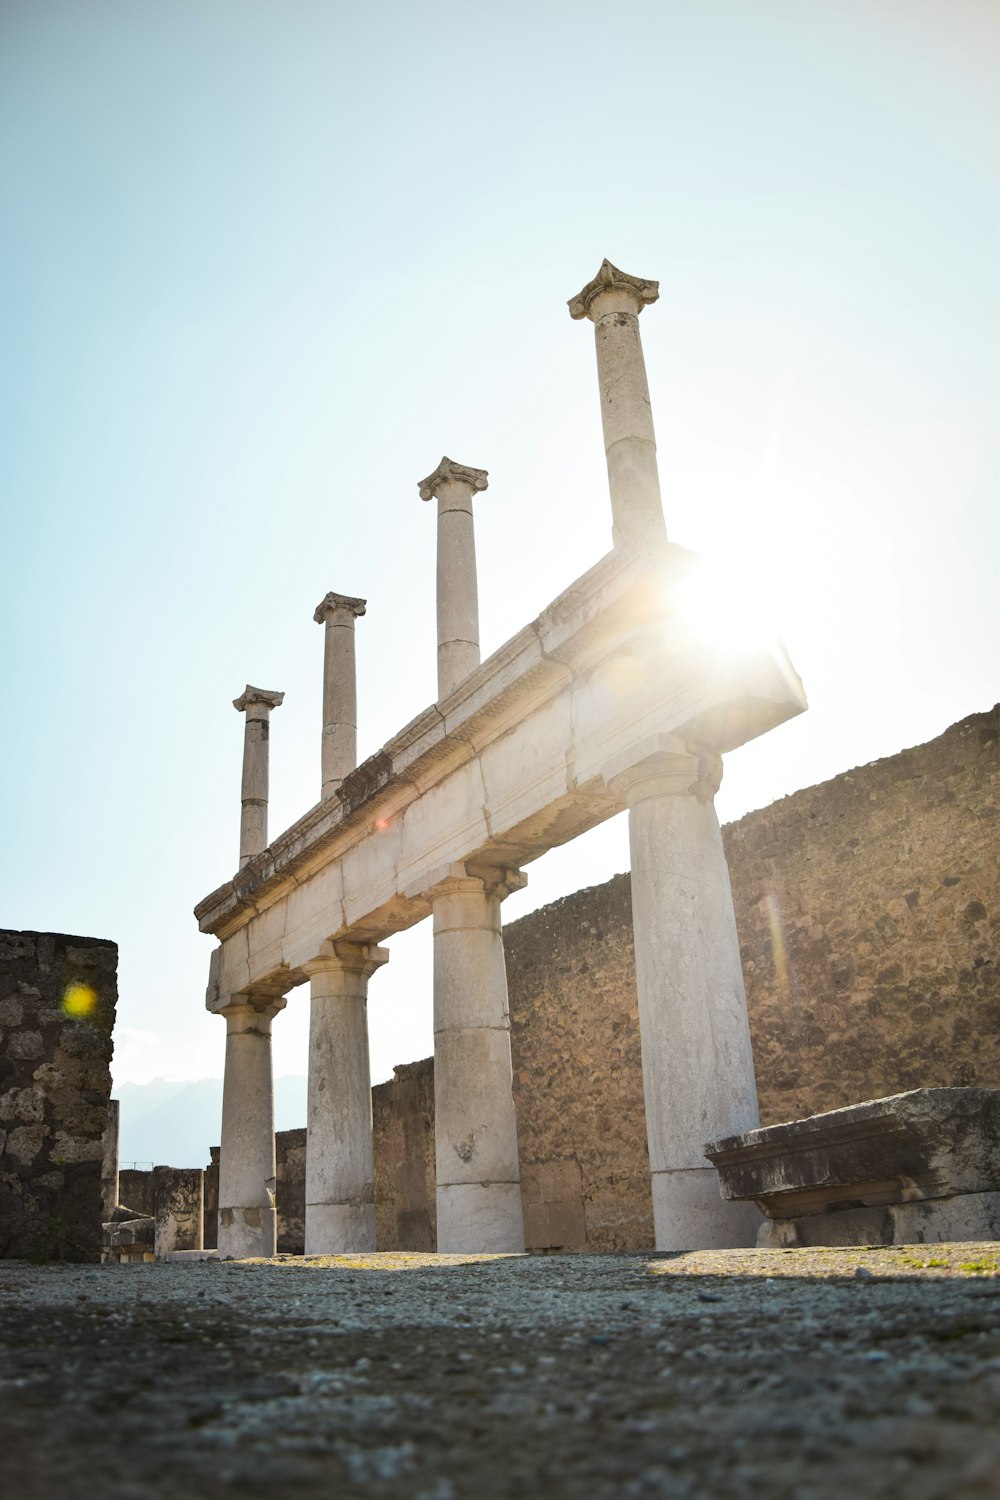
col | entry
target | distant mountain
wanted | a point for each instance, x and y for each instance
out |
(177, 1124)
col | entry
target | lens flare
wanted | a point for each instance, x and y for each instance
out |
(79, 1000)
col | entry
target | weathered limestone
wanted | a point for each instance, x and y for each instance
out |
(338, 613)
(179, 1197)
(109, 1162)
(454, 485)
(478, 1180)
(613, 302)
(247, 1173)
(340, 1155)
(697, 1064)
(919, 1166)
(256, 703)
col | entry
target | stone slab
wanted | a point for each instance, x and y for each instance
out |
(924, 1144)
(929, 1221)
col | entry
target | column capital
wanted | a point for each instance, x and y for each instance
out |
(632, 289)
(332, 605)
(257, 698)
(245, 1012)
(665, 767)
(343, 955)
(448, 472)
(473, 878)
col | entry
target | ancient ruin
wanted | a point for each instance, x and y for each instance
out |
(610, 699)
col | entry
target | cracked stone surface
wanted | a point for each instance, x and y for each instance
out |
(810, 1374)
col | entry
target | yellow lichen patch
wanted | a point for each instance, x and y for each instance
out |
(79, 1000)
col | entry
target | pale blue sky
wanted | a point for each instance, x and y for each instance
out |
(264, 263)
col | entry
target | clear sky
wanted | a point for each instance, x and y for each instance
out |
(262, 264)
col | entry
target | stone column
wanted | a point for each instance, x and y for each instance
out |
(256, 703)
(457, 589)
(697, 1065)
(109, 1162)
(247, 1219)
(613, 302)
(340, 1154)
(478, 1178)
(340, 688)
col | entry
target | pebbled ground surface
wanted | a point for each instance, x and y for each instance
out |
(810, 1374)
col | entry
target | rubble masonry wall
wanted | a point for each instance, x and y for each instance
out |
(57, 1012)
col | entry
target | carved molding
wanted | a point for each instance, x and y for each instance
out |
(449, 472)
(331, 604)
(609, 278)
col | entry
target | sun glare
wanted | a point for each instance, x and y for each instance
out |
(716, 606)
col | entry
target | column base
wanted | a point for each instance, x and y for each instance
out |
(689, 1213)
(247, 1233)
(339, 1228)
(476, 1218)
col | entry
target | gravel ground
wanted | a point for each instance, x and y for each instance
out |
(810, 1374)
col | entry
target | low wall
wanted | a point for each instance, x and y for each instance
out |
(57, 1012)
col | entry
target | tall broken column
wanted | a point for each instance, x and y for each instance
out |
(453, 485)
(256, 703)
(340, 1152)
(613, 302)
(247, 1218)
(697, 1063)
(475, 1131)
(338, 613)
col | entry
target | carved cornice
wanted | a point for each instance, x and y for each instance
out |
(255, 697)
(330, 604)
(449, 472)
(608, 279)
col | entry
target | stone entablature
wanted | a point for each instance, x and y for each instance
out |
(475, 778)
(911, 1168)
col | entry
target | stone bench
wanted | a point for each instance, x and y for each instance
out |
(918, 1167)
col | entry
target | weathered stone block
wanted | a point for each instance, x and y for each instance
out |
(924, 1144)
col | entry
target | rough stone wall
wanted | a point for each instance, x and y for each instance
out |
(290, 1190)
(403, 1119)
(578, 1073)
(57, 1012)
(869, 918)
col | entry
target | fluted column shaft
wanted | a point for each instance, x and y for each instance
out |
(478, 1177)
(340, 1153)
(697, 1063)
(247, 1218)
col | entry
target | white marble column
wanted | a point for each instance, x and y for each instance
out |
(340, 1154)
(247, 1219)
(613, 302)
(454, 485)
(340, 688)
(697, 1065)
(478, 1177)
(256, 703)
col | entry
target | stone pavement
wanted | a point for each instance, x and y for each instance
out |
(807, 1374)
